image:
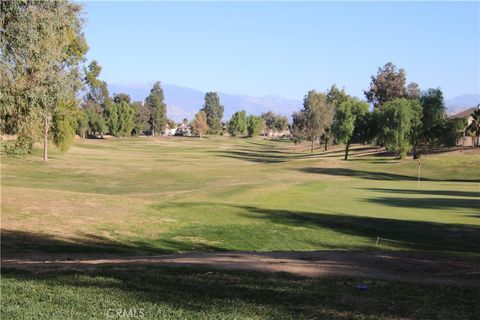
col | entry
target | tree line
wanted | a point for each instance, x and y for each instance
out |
(403, 118)
(43, 50)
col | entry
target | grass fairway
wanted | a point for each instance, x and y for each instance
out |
(173, 195)
(176, 195)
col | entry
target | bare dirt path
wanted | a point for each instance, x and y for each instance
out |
(406, 266)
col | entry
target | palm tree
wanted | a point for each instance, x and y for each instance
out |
(474, 126)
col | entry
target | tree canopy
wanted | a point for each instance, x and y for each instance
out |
(238, 123)
(318, 115)
(199, 124)
(254, 125)
(347, 125)
(387, 85)
(42, 46)
(214, 112)
(157, 109)
(401, 121)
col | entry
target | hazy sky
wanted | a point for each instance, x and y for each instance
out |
(261, 48)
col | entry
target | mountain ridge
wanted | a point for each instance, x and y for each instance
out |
(184, 102)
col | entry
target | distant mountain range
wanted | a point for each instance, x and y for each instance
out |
(184, 102)
(460, 103)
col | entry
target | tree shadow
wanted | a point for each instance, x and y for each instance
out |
(196, 294)
(423, 235)
(462, 199)
(15, 242)
(427, 203)
(373, 175)
(253, 156)
(244, 293)
(452, 193)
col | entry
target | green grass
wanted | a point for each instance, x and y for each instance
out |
(163, 293)
(150, 196)
(179, 194)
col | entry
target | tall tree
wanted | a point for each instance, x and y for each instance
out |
(121, 119)
(238, 123)
(254, 125)
(434, 116)
(157, 108)
(42, 46)
(401, 120)
(274, 123)
(281, 123)
(97, 97)
(387, 85)
(199, 124)
(318, 115)
(299, 127)
(91, 123)
(214, 112)
(142, 115)
(335, 97)
(347, 125)
(270, 119)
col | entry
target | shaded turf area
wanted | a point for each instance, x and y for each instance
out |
(164, 293)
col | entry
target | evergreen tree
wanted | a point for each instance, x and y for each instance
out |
(214, 112)
(157, 109)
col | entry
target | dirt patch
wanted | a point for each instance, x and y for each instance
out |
(403, 266)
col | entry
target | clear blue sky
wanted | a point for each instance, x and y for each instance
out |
(285, 48)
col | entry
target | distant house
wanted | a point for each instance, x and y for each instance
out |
(466, 139)
(168, 130)
(285, 134)
(184, 130)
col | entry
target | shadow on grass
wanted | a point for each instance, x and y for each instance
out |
(273, 156)
(259, 157)
(195, 294)
(20, 242)
(450, 193)
(430, 236)
(451, 199)
(427, 203)
(373, 175)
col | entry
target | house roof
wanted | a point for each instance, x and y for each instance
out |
(463, 114)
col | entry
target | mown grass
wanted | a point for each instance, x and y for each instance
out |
(154, 196)
(166, 293)
(182, 194)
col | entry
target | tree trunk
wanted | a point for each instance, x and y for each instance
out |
(153, 132)
(313, 141)
(45, 139)
(347, 147)
(326, 145)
